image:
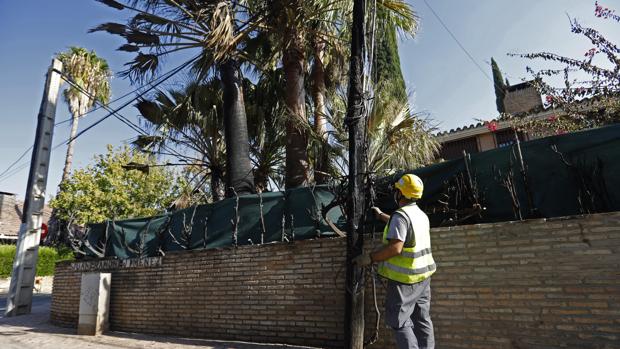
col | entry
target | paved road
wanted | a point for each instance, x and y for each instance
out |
(40, 303)
(34, 331)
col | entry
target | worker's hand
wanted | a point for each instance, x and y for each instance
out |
(362, 260)
(377, 211)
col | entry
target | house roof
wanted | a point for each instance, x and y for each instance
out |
(11, 219)
(481, 127)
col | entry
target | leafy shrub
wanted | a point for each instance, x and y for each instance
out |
(48, 257)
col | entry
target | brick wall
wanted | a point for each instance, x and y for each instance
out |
(522, 100)
(284, 293)
(534, 284)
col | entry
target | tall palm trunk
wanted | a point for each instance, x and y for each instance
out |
(69, 158)
(217, 184)
(320, 111)
(296, 136)
(239, 175)
(318, 89)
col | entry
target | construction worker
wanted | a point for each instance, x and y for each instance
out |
(406, 261)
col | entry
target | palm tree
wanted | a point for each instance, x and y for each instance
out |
(286, 25)
(92, 74)
(216, 29)
(266, 118)
(298, 32)
(328, 55)
(185, 122)
(397, 138)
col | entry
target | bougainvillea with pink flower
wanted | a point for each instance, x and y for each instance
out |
(492, 126)
(605, 12)
(580, 103)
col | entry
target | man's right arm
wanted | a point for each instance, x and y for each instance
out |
(393, 248)
(383, 217)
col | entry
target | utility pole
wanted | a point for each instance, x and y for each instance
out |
(19, 300)
(356, 208)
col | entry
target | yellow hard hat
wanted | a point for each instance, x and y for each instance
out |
(410, 186)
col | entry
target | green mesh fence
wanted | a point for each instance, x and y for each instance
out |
(291, 215)
(566, 175)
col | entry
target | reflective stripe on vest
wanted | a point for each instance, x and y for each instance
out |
(415, 263)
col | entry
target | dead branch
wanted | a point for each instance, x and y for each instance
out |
(263, 231)
(235, 221)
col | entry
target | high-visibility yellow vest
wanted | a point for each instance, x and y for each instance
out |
(415, 263)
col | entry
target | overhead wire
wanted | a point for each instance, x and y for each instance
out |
(101, 105)
(457, 41)
(153, 84)
(495, 84)
(118, 115)
(126, 121)
(16, 161)
(161, 79)
(28, 150)
(15, 170)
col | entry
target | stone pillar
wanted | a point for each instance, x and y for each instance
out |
(94, 303)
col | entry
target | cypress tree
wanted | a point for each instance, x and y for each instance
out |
(500, 86)
(386, 70)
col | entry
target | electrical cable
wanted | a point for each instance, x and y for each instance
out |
(28, 150)
(16, 161)
(15, 170)
(6, 174)
(458, 42)
(116, 114)
(495, 84)
(121, 117)
(139, 95)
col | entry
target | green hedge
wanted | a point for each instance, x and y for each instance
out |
(48, 257)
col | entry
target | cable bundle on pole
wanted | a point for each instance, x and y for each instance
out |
(356, 122)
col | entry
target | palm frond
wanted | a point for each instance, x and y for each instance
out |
(111, 3)
(110, 27)
(400, 13)
(142, 67)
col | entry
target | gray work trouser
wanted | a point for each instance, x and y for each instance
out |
(407, 312)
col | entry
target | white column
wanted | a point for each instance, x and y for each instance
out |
(94, 303)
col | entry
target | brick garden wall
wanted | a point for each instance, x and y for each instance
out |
(533, 284)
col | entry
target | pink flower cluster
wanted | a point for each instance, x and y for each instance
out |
(552, 118)
(549, 99)
(605, 12)
(591, 52)
(492, 126)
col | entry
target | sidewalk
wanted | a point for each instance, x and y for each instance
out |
(34, 331)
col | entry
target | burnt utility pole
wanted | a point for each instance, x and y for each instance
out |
(19, 300)
(356, 122)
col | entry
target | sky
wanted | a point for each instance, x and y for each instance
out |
(442, 80)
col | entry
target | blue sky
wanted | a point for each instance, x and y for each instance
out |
(441, 78)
